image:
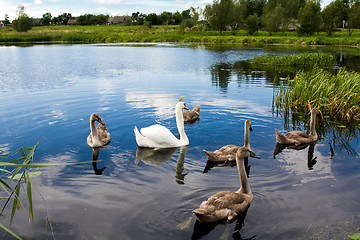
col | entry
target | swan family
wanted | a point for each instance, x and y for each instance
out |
(224, 204)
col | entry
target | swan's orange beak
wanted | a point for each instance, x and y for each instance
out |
(185, 107)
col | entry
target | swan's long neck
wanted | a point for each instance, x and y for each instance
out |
(180, 124)
(312, 124)
(245, 187)
(246, 134)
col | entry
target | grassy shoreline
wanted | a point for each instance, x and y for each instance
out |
(118, 34)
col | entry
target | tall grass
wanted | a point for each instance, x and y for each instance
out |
(336, 95)
(302, 60)
(119, 33)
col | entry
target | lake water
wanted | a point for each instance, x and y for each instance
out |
(48, 92)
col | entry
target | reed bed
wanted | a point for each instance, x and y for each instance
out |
(336, 95)
(302, 60)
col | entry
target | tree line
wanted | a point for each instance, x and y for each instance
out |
(304, 16)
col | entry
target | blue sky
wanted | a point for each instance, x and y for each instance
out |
(36, 8)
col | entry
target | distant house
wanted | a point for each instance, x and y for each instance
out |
(118, 19)
(36, 21)
(71, 21)
(2, 24)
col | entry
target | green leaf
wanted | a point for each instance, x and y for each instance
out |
(16, 203)
(31, 174)
(29, 196)
(39, 164)
(3, 183)
(355, 236)
(9, 231)
(341, 126)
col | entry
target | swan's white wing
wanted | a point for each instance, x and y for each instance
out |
(160, 135)
(143, 141)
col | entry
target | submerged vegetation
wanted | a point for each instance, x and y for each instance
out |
(336, 95)
(168, 33)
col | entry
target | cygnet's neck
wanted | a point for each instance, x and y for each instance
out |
(312, 124)
(245, 187)
(94, 134)
(246, 134)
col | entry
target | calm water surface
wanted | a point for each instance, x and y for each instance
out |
(48, 92)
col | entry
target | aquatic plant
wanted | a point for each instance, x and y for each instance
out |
(355, 236)
(302, 60)
(20, 170)
(336, 95)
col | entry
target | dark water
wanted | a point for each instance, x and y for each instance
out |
(48, 92)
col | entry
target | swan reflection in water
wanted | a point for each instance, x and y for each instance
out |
(158, 156)
(94, 160)
(311, 159)
(210, 165)
(201, 229)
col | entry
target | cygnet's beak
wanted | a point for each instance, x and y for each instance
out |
(250, 129)
(252, 154)
(101, 121)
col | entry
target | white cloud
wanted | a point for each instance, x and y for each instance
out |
(38, 2)
(109, 1)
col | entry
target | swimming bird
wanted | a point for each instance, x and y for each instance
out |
(228, 152)
(228, 204)
(299, 137)
(191, 116)
(99, 136)
(158, 136)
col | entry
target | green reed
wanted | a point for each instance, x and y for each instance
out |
(336, 95)
(16, 174)
(302, 60)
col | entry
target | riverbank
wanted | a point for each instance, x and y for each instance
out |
(118, 33)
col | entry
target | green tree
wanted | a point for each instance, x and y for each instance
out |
(309, 18)
(249, 7)
(220, 14)
(185, 14)
(62, 19)
(333, 16)
(22, 23)
(166, 18)
(6, 19)
(274, 19)
(177, 18)
(154, 19)
(138, 18)
(46, 19)
(354, 18)
(252, 24)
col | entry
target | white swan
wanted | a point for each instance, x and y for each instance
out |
(157, 136)
(99, 135)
